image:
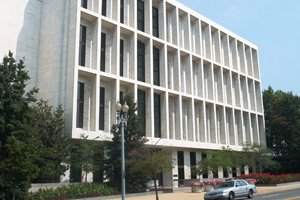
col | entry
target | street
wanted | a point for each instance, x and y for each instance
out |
(282, 195)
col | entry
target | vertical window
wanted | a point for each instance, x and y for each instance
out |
(121, 57)
(103, 45)
(234, 172)
(75, 171)
(250, 170)
(84, 3)
(98, 159)
(82, 41)
(225, 172)
(121, 98)
(141, 61)
(205, 174)
(243, 169)
(122, 11)
(142, 107)
(156, 80)
(155, 22)
(193, 165)
(104, 2)
(101, 106)
(157, 132)
(80, 100)
(140, 15)
(180, 159)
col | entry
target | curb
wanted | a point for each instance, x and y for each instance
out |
(120, 196)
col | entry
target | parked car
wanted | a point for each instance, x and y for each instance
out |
(231, 189)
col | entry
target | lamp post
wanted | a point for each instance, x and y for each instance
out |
(122, 121)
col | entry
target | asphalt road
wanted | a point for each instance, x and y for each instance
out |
(282, 195)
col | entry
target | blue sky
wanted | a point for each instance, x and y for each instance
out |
(272, 25)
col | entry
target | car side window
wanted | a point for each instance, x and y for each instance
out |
(237, 184)
(243, 183)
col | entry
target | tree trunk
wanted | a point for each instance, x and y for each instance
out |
(156, 193)
(85, 176)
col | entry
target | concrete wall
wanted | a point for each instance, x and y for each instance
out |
(20, 33)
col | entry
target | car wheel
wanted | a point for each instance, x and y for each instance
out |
(250, 194)
(231, 196)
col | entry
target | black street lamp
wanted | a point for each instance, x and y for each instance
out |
(123, 122)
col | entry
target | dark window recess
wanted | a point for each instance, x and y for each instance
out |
(159, 178)
(140, 15)
(193, 165)
(103, 45)
(156, 80)
(104, 2)
(121, 98)
(225, 172)
(155, 29)
(84, 3)
(215, 174)
(75, 175)
(205, 174)
(101, 111)
(180, 158)
(80, 100)
(141, 61)
(122, 11)
(243, 169)
(180, 163)
(121, 57)
(234, 171)
(157, 126)
(142, 107)
(82, 42)
(98, 161)
(250, 170)
(75, 171)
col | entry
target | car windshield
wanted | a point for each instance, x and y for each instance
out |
(225, 185)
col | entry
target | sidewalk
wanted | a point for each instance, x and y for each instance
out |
(199, 196)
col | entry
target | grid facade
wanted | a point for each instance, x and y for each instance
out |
(197, 84)
(199, 80)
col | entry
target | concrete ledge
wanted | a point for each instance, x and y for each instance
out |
(120, 196)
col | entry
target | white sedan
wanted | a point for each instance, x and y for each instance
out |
(231, 189)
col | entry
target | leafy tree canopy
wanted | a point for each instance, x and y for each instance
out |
(134, 137)
(151, 162)
(51, 141)
(252, 155)
(87, 155)
(17, 166)
(282, 121)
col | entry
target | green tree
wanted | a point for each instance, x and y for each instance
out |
(51, 141)
(151, 162)
(134, 137)
(87, 155)
(255, 155)
(224, 159)
(282, 121)
(17, 167)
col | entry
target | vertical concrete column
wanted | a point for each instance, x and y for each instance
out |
(162, 19)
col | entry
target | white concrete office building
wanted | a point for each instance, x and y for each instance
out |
(197, 84)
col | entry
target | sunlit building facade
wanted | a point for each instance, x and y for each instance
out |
(197, 84)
